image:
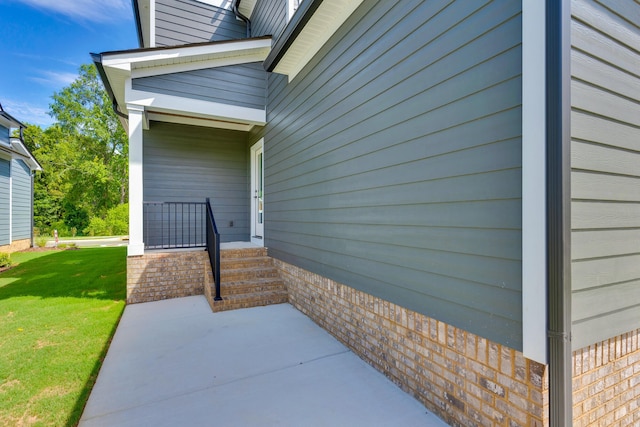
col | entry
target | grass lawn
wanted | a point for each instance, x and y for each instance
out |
(58, 312)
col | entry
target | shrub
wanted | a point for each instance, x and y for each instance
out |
(41, 241)
(5, 260)
(116, 222)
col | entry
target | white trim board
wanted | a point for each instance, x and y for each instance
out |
(534, 211)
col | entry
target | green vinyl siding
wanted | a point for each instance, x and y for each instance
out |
(605, 161)
(393, 161)
(188, 164)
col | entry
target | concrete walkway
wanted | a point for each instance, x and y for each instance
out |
(175, 363)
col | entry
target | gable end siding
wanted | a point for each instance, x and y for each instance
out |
(21, 200)
(188, 164)
(269, 18)
(393, 161)
(605, 161)
(188, 21)
(241, 85)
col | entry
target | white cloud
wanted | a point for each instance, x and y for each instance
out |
(27, 113)
(86, 10)
(56, 79)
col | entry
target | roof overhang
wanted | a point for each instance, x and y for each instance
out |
(117, 69)
(309, 29)
(8, 121)
(20, 151)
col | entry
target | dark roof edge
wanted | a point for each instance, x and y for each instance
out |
(11, 118)
(182, 46)
(291, 32)
(136, 14)
(97, 60)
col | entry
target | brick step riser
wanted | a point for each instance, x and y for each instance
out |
(251, 288)
(247, 275)
(234, 303)
(242, 253)
(246, 263)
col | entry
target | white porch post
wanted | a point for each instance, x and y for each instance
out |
(136, 121)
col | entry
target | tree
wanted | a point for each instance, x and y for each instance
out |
(84, 112)
(84, 157)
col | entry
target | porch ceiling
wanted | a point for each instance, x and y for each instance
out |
(117, 69)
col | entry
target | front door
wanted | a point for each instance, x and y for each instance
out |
(257, 193)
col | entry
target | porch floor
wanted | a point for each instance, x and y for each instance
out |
(174, 362)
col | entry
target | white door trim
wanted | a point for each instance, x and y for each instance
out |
(256, 195)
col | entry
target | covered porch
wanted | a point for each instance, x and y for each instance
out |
(192, 114)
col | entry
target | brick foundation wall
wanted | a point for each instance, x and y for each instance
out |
(465, 379)
(16, 245)
(163, 275)
(606, 383)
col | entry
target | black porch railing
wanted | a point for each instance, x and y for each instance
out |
(173, 225)
(213, 248)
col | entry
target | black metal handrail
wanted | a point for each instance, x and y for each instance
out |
(213, 248)
(172, 225)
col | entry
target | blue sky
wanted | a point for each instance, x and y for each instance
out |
(44, 43)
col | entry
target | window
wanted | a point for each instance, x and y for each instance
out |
(292, 7)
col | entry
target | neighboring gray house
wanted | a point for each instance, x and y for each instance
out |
(17, 165)
(452, 188)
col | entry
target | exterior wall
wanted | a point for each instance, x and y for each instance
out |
(16, 245)
(21, 200)
(188, 164)
(5, 198)
(241, 85)
(393, 161)
(188, 21)
(269, 18)
(463, 378)
(605, 160)
(162, 275)
(606, 382)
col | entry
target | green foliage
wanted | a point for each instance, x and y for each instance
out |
(84, 157)
(5, 260)
(59, 312)
(115, 223)
(41, 241)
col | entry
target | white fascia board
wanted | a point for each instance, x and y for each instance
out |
(256, 56)
(188, 54)
(326, 20)
(194, 107)
(534, 198)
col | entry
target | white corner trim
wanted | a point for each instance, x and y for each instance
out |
(136, 196)
(534, 212)
(193, 107)
(152, 23)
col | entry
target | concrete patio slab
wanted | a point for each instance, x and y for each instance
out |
(174, 363)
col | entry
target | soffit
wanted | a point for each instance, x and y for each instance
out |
(310, 28)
